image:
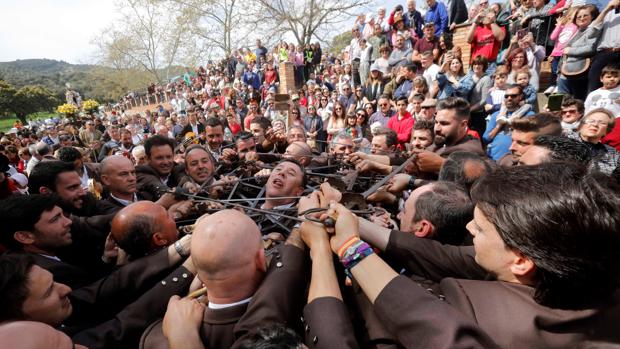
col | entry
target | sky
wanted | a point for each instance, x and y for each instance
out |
(54, 29)
(64, 29)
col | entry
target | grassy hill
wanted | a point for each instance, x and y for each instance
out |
(91, 81)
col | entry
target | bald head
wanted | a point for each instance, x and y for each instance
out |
(39, 335)
(112, 162)
(228, 252)
(142, 228)
(299, 151)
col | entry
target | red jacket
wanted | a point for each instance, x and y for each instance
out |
(613, 138)
(402, 128)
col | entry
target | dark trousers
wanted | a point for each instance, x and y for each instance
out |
(601, 59)
(478, 122)
(355, 71)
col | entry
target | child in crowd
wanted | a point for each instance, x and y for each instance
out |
(608, 96)
(496, 93)
(352, 129)
(522, 78)
(420, 86)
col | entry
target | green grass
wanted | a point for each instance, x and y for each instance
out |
(6, 123)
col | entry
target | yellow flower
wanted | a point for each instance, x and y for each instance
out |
(67, 109)
(90, 105)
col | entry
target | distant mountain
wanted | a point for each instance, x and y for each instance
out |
(91, 81)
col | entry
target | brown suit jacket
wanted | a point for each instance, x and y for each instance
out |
(278, 299)
(149, 181)
(327, 325)
(506, 311)
(467, 143)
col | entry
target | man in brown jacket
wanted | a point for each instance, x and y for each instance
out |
(230, 259)
(538, 275)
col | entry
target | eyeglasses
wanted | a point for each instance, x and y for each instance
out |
(596, 122)
(360, 114)
(338, 108)
(511, 96)
(384, 104)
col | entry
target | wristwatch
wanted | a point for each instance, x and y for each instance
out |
(180, 250)
(411, 182)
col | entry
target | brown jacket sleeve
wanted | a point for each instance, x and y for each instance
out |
(281, 296)
(420, 320)
(108, 295)
(125, 329)
(328, 325)
(432, 260)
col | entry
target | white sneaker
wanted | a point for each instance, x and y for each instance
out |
(550, 90)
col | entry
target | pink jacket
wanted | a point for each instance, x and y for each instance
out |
(562, 35)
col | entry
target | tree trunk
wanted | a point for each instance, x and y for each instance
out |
(22, 118)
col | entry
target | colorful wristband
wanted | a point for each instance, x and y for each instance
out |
(350, 241)
(355, 254)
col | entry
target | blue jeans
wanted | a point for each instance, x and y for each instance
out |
(555, 65)
(576, 86)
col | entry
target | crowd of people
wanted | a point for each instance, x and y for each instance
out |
(394, 195)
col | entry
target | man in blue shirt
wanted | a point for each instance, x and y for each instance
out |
(498, 134)
(437, 14)
(251, 78)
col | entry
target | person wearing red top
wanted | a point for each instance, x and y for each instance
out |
(271, 75)
(402, 123)
(485, 36)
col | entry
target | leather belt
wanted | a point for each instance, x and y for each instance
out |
(611, 49)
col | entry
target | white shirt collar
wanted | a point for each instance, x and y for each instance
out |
(229, 305)
(125, 202)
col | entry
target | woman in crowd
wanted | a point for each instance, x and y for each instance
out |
(578, 54)
(362, 121)
(382, 62)
(452, 81)
(594, 126)
(564, 31)
(374, 85)
(479, 93)
(528, 55)
(337, 121)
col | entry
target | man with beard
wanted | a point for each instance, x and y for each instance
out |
(498, 132)
(50, 238)
(160, 174)
(451, 125)
(525, 130)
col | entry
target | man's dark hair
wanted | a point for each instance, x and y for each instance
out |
(69, 154)
(542, 123)
(214, 122)
(424, 125)
(304, 179)
(263, 122)
(460, 106)
(448, 207)
(513, 86)
(464, 168)
(243, 136)
(391, 138)
(45, 174)
(14, 270)
(137, 238)
(578, 103)
(565, 220)
(157, 141)
(21, 213)
(411, 67)
(565, 149)
(272, 336)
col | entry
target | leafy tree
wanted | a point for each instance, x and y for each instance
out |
(25, 101)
